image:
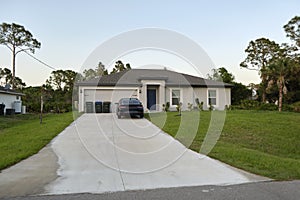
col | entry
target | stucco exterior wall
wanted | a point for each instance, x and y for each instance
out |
(188, 95)
(8, 100)
(201, 94)
(223, 97)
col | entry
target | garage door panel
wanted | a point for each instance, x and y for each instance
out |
(118, 94)
(109, 95)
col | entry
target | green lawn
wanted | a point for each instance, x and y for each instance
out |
(22, 135)
(262, 142)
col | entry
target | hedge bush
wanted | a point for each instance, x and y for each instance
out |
(255, 105)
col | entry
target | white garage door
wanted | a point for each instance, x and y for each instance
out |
(110, 95)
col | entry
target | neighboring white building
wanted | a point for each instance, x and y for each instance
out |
(154, 88)
(11, 99)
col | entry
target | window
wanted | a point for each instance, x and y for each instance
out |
(130, 101)
(212, 97)
(175, 97)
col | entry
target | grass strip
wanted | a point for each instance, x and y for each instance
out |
(266, 143)
(22, 135)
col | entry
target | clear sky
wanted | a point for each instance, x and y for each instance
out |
(70, 30)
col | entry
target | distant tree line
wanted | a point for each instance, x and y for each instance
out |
(56, 93)
(100, 70)
(57, 90)
(278, 66)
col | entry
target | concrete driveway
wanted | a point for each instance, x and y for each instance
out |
(100, 153)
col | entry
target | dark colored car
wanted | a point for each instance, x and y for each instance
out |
(130, 107)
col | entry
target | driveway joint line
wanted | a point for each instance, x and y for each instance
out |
(116, 155)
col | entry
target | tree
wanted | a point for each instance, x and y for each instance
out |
(69, 80)
(119, 66)
(57, 92)
(221, 74)
(100, 70)
(279, 69)
(238, 91)
(292, 29)
(62, 80)
(293, 83)
(259, 55)
(6, 78)
(17, 39)
(55, 80)
(32, 98)
(89, 74)
(127, 66)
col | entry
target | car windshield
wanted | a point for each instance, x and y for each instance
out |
(130, 102)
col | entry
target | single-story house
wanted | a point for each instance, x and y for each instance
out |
(11, 99)
(154, 87)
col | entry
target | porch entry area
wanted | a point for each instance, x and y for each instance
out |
(152, 97)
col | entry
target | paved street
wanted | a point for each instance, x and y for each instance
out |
(258, 191)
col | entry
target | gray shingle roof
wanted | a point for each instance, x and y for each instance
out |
(133, 77)
(9, 91)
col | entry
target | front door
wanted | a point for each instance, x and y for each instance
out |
(151, 99)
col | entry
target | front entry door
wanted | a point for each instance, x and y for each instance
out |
(151, 99)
